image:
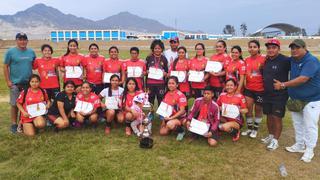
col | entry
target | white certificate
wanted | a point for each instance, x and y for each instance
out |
(199, 127)
(155, 73)
(230, 111)
(35, 110)
(196, 76)
(112, 102)
(84, 107)
(107, 76)
(213, 66)
(134, 71)
(73, 71)
(164, 110)
(181, 75)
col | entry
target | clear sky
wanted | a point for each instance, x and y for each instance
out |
(206, 15)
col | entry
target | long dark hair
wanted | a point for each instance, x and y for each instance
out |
(239, 49)
(255, 42)
(167, 82)
(224, 44)
(25, 91)
(177, 59)
(69, 42)
(125, 91)
(110, 90)
(203, 47)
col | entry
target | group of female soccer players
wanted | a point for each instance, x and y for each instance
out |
(239, 83)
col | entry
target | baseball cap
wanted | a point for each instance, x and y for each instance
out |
(273, 42)
(21, 35)
(175, 39)
(298, 43)
(139, 98)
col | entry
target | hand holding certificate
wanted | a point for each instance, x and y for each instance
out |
(73, 71)
(181, 75)
(107, 76)
(83, 107)
(134, 71)
(198, 127)
(35, 110)
(112, 102)
(213, 66)
(155, 73)
(165, 110)
(230, 111)
(196, 76)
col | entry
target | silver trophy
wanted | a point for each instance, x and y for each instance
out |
(146, 141)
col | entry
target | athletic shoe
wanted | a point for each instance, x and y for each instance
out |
(253, 134)
(180, 136)
(107, 130)
(246, 133)
(308, 155)
(273, 145)
(236, 137)
(267, 139)
(296, 148)
(19, 129)
(14, 128)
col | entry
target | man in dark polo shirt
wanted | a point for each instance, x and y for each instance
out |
(277, 67)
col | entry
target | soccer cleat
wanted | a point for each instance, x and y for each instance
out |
(246, 133)
(273, 145)
(14, 128)
(296, 148)
(307, 156)
(253, 134)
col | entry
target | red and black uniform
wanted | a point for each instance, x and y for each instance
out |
(72, 60)
(234, 69)
(156, 87)
(112, 66)
(217, 83)
(31, 98)
(237, 100)
(94, 73)
(198, 65)
(182, 65)
(47, 69)
(254, 78)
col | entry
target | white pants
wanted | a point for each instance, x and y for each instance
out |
(305, 124)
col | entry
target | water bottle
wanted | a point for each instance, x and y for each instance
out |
(283, 170)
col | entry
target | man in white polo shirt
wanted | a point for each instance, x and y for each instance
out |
(172, 53)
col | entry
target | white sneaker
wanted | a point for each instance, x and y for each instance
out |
(253, 134)
(296, 148)
(273, 145)
(267, 139)
(246, 133)
(308, 155)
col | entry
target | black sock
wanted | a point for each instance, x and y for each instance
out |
(128, 124)
(108, 124)
(250, 126)
(256, 126)
(180, 129)
(233, 132)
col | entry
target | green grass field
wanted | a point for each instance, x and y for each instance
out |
(89, 154)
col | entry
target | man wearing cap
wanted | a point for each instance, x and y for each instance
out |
(172, 53)
(304, 103)
(277, 66)
(17, 70)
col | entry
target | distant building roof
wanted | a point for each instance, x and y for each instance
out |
(288, 29)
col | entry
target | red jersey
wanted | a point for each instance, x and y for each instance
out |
(223, 59)
(92, 99)
(237, 100)
(112, 66)
(254, 78)
(136, 63)
(203, 114)
(234, 69)
(129, 99)
(93, 67)
(72, 60)
(176, 99)
(31, 98)
(182, 66)
(47, 71)
(198, 65)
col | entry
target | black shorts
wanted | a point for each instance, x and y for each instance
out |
(217, 91)
(276, 109)
(97, 88)
(257, 96)
(52, 92)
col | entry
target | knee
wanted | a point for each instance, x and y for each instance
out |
(212, 142)
(93, 118)
(129, 116)
(79, 118)
(163, 132)
(170, 125)
(40, 123)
